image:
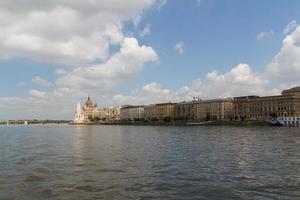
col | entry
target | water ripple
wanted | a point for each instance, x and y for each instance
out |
(116, 162)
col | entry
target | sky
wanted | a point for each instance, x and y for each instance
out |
(55, 53)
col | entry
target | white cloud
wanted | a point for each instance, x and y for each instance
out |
(239, 81)
(40, 105)
(145, 31)
(63, 31)
(264, 35)
(41, 82)
(60, 71)
(73, 33)
(282, 73)
(162, 3)
(285, 66)
(37, 93)
(120, 67)
(74, 85)
(292, 25)
(179, 48)
(153, 93)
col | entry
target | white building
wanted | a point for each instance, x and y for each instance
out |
(79, 115)
(132, 113)
(113, 113)
(89, 113)
(86, 113)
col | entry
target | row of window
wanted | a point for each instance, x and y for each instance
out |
(266, 109)
(256, 115)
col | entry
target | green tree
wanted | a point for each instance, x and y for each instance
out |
(243, 118)
(273, 115)
(208, 117)
(167, 119)
(214, 118)
(154, 119)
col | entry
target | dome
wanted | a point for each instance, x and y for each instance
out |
(88, 102)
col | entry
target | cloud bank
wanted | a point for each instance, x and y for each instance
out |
(79, 34)
(64, 31)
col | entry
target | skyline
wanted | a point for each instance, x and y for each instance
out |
(53, 55)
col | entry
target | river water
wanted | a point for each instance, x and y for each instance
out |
(149, 162)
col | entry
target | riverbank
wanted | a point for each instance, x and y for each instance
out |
(28, 122)
(140, 123)
(208, 123)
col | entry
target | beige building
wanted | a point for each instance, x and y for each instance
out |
(103, 113)
(220, 109)
(113, 113)
(164, 110)
(149, 112)
(159, 112)
(186, 111)
(132, 113)
(260, 108)
(109, 114)
(85, 114)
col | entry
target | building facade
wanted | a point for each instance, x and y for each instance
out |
(132, 113)
(262, 108)
(85, 114)
(186, 111)
(113, 114)
(164, 111)
(79, 115)
(103, 113)
(217, 109)
(90, 110)
(149, 112)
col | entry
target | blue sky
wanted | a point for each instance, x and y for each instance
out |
(215, 37)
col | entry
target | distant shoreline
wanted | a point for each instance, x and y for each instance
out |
(22, 122)
(210, 123)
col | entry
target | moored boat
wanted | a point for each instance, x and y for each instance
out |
(285, 121)
(275, 122)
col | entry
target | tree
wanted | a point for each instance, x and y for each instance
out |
(167, 119)
(96, 119)
(208, 117)
(273, 115)
(214, 118)
(154, 119)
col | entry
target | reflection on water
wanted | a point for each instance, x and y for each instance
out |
(140, 162)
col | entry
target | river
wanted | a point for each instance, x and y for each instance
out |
(149, 162)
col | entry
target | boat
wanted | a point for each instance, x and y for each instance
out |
(285, 121)
(275, 122)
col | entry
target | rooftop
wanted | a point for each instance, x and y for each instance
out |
(292, 90)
